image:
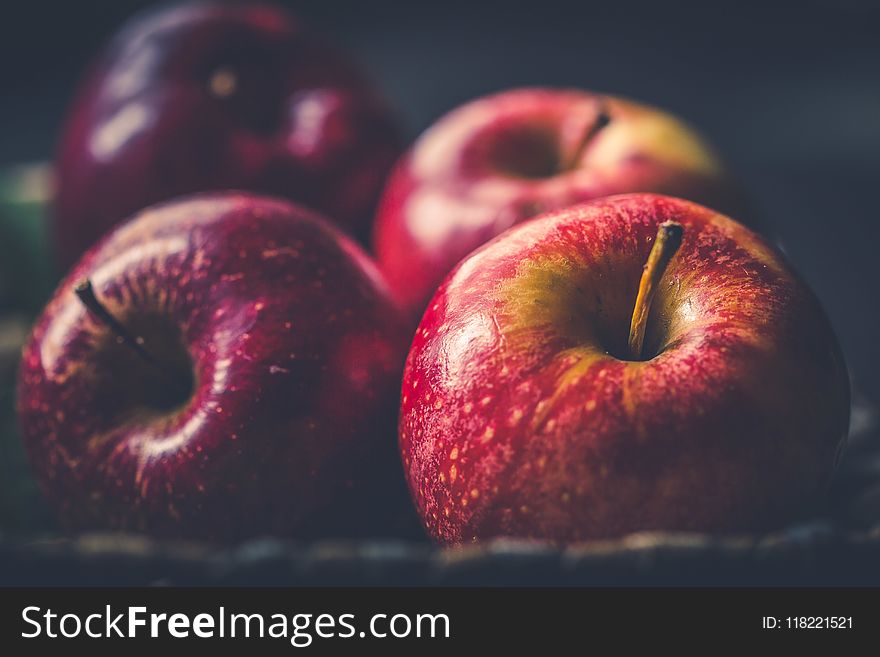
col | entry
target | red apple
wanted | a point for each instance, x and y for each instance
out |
(209, 96)
(504, 158)
(526, 414)
(218, 367)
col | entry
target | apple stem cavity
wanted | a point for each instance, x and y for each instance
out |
(603, 118)
(85, 292)
(669, 236)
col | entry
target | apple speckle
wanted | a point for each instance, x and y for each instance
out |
(515, 416)
(268, 254)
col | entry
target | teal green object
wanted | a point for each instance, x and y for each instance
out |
(27, 274)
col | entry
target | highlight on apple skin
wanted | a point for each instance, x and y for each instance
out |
(504, 158)
(204, 96)
(218, 367)
(524, 414)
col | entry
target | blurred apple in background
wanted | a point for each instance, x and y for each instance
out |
(219, 367)
(207, 96)
(529, 410)
(504, 158)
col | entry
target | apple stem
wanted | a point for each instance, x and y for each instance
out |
(669, 236)
(85, 292)
(602, 120)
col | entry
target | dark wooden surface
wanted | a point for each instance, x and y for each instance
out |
(811, 556)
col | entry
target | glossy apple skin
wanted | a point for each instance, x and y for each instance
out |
(152, 120)
(504, 158)
(296, 350)
(517, 421)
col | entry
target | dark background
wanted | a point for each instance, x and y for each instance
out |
(789, 92)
